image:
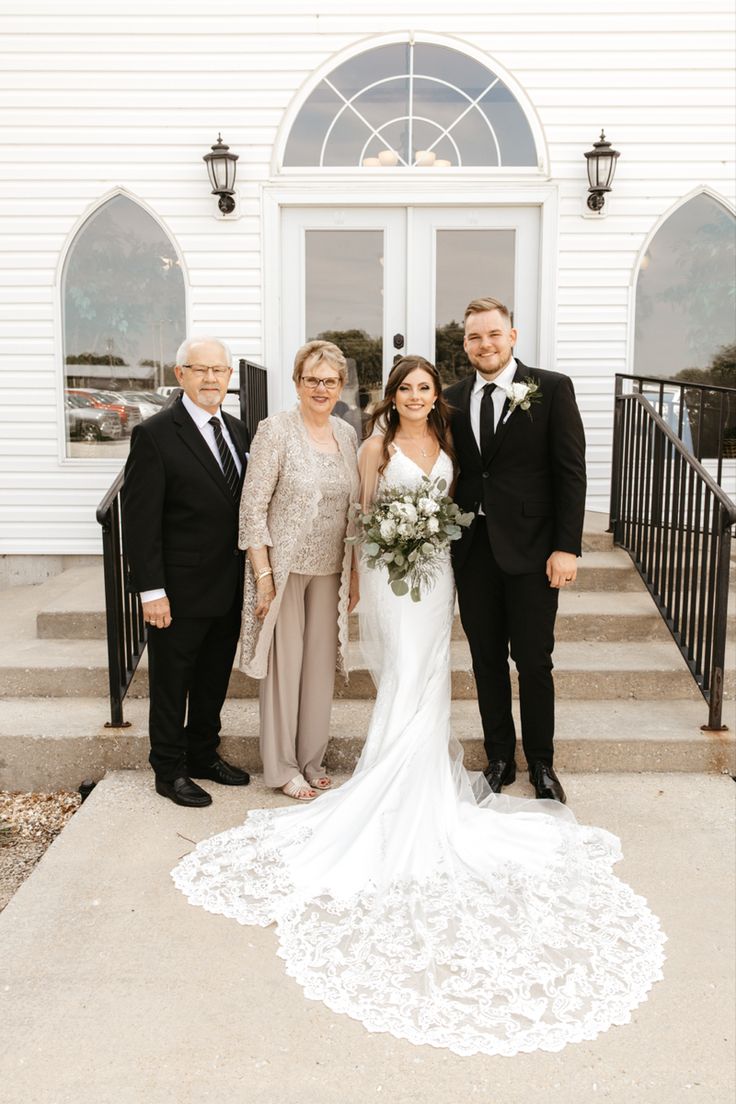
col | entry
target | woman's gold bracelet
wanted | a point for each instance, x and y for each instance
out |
(263, 574)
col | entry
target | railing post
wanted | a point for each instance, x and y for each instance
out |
(114, 620)
(615, 500)
(720, 626)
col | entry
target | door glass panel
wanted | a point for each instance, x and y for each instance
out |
(344, 304)
(471, 264)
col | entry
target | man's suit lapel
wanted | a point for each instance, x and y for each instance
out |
(193, 439)
(505, 420)
(241, 441)
(463, 408)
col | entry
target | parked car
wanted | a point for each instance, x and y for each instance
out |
(148, 402)
(166, 391)
(129, 414)
(87, 422)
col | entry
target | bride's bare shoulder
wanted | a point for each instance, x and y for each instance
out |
(372, 447)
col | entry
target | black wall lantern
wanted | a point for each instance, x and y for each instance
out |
(601, 168)
(221, 168)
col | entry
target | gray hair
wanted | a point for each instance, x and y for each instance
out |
(182, 353)
(320, 350)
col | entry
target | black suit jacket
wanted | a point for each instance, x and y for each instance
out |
(181, 519)
(532, 489)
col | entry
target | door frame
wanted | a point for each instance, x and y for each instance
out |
(334, 193)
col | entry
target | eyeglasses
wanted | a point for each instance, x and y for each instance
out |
(201, 370)
(313, 382)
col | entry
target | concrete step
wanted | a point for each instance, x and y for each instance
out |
(57, 742)
(647, 669)
(592, 616)
(72, 606)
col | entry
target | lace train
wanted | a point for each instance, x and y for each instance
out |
(413, 899)
(519, 964)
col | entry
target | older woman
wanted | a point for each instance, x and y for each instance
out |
(302, 476)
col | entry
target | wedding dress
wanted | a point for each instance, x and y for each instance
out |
(417, 901)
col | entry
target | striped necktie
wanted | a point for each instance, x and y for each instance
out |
(487, 420)
(229, 469)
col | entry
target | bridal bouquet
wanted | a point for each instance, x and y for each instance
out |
(406, 529)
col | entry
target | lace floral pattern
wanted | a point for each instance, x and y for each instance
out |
(281, 498)
(416, 901)
(514, 965)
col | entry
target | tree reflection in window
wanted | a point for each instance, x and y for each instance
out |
(411, 105)
(685, 291)
(124, 317)
(685, 321)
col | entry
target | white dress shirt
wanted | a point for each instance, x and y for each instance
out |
(201, 419)
(502, 381)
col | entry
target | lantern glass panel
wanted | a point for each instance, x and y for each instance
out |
(219, 171)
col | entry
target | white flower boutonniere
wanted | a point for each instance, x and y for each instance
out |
(523, 395)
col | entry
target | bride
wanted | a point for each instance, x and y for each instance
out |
(412, 898)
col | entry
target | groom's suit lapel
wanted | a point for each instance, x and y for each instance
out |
(464, 414)
(505, 420)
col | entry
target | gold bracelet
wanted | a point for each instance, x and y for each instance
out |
(263, 574)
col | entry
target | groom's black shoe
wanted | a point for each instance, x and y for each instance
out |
(182, 791)
(546, 783)
(500, 773)
(222, 772)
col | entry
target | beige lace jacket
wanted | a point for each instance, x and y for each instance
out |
(281, 497)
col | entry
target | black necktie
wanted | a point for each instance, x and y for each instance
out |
(487, 420)
(228, 464)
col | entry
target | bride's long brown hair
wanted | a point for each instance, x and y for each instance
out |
(386, 416)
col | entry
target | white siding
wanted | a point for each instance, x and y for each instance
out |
(93, 100)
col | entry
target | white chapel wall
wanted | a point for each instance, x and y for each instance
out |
(92, 100)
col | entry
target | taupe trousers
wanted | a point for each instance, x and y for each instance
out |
(296, 694)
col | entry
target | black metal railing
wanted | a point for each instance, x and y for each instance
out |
(675, 522)
(126, 629)
(703, 415)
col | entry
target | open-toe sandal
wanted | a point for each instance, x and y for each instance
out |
(299, 789)
(320, 782)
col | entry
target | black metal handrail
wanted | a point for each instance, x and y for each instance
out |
(126, 628)
(675, 522)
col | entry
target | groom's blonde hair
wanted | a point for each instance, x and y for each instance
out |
(477, 306)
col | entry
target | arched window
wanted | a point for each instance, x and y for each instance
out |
(685, 295)
(124, 313)
(411, 104)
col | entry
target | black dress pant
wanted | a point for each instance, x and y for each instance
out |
(516, 613)
(189, 666)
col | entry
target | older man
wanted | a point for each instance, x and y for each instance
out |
(181, 496)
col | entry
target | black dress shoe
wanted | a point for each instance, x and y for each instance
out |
(182, 791)
(546, 783)
(222, 772)
(500, 773)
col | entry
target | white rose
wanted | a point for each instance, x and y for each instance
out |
(432, 525)
(517, 392)
(427, 506)
(405, 529)
(408, 511)
(388, 529)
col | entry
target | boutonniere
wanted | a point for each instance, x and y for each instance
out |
(523, 395)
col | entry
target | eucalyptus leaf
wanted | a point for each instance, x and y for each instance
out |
(399, 587)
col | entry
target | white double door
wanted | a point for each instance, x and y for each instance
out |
(384, 281)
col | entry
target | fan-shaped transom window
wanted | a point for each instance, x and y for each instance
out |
(411, 105)
(124, 308)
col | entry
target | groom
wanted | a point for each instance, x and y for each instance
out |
(522, 471)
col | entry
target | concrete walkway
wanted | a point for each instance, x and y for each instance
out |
(113, 990)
